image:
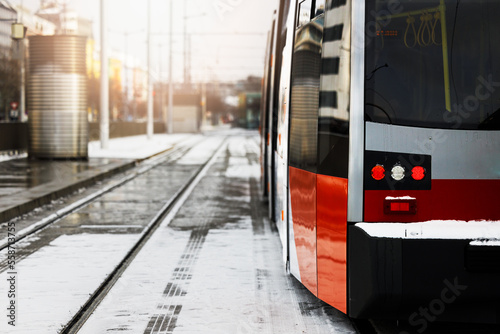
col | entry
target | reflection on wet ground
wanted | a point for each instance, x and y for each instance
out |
(126, 210)
(65, 262)
(21, 174)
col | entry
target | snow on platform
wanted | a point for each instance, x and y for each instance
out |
(135, 147)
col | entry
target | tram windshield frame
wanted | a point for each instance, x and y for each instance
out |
(426, 69)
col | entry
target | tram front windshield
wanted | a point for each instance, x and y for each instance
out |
(433, 63)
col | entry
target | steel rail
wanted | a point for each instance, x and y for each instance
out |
(149, 163)
(166, 213)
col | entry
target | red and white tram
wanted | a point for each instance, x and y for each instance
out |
(381, 154)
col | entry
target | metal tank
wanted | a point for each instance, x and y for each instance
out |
(57, 96)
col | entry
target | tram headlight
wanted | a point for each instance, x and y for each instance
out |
(398, 172)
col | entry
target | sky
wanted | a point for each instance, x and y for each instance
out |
(228, 37)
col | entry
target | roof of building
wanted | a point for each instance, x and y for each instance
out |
(6, 4)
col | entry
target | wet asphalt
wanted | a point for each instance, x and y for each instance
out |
(126, 210)
(26, 184)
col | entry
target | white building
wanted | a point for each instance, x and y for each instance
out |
(66, 20)
(36, 25)
(8, 16)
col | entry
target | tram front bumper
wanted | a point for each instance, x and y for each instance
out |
(421, 279)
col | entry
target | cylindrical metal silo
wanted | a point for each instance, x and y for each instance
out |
(58, 125)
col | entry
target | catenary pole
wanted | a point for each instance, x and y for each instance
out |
(104, 128)
(170, 83)
(150, 79)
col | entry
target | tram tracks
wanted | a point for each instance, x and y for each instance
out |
(165, 214)
(144, 165)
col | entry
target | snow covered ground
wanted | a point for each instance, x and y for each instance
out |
(135, 147)
(7, 157)
(215, 268)
(50, 281)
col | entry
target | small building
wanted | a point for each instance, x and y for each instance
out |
(187, 113)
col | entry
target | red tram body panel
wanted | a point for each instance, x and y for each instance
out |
(332, 241)
(381, 154)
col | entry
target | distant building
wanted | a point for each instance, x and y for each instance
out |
(187, 112)
(7, 12)
(36, 25)
(66, 20)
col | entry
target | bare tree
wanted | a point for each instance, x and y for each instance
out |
(9, 84)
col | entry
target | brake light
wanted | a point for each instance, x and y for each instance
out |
(418, 173)
(378, 172)
(400, 205)
(396, 171)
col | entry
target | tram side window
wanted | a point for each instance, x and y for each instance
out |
(304, 12)
(319, 7)
(308, 10)
(333, 116)
(306, 71)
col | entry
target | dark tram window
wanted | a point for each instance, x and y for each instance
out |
(433, 63)
(333, 115)
(304, 104)
(319, 116)
(308, 10)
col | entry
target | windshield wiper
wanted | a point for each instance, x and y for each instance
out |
(375, 70)
(381, 109)
(492, 122)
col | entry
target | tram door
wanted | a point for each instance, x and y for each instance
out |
(304, 105)
(319, 146)
(282, 126)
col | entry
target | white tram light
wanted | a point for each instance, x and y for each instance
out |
(398, 172)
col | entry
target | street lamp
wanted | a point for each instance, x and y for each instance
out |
(18, 31)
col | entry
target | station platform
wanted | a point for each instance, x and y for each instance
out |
(26, 184)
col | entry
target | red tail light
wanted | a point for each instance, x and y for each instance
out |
(378, 172)
(418, 173)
